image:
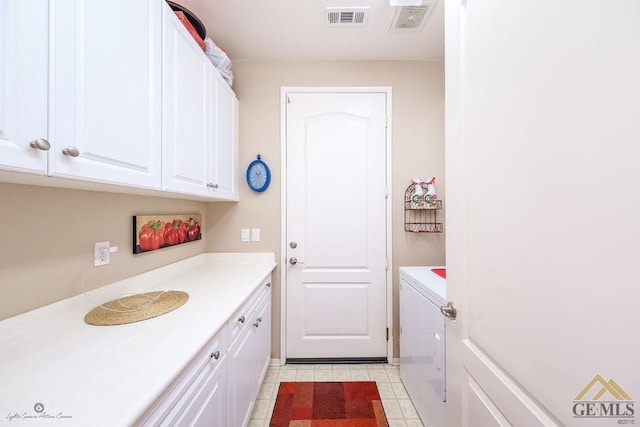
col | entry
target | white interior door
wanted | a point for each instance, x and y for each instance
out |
(542, 217)
(336, 304)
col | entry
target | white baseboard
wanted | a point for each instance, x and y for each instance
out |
(275, 362)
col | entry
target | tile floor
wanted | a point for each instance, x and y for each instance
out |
(397, 405)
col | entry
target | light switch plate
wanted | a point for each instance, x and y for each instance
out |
(244, 235)
(255, 234)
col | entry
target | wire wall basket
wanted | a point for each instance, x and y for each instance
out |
(421, 212)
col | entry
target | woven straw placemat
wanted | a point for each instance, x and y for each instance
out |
(135, 308)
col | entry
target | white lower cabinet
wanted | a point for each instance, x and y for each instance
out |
(262, 332)
(209, 404)
(220, 385)
(199, 395)
(240, 387)
(249, 354)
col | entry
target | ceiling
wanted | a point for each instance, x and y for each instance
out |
(295, 30)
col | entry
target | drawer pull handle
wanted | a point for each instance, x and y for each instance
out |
(241, 319)
(215, 355)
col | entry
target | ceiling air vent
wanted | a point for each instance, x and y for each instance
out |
(346, 16)
(412, 17)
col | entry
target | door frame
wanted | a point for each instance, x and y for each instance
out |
(283, 206)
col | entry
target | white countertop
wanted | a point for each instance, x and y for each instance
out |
(428, 282)
(109, 375)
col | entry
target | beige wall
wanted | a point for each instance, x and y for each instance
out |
(418, 151)
(47, 242)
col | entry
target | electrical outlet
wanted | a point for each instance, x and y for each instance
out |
(244, 235)
(101, 254)
(255, 234)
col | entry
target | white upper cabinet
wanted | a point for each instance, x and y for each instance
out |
(186, 118)
(225, 145)
(106, 91)
(115, 93)
(199, 119)
(23, 85)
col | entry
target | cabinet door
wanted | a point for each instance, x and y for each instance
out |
(187, 106)
(241, 377)
(105, 98)
(210, 403)
(262, 331)
(225, 156)
(23, 84)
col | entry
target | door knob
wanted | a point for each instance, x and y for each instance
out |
(71, 151)
(449, 311)
(293, 245)
(293, 261)
(40, 144)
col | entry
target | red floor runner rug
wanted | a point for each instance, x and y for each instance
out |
(328, 404)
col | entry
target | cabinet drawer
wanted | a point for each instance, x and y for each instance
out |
(176, 402)
(242, 317)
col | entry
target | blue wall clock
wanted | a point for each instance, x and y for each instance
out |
(258, 175)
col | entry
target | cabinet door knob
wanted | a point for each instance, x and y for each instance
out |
(269, 285)
(241, 319)
(259, 319)
(71, 151)
(40, 144)
(215, 355)
(256, 324)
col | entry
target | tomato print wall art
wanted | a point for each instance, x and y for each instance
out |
(151, 232)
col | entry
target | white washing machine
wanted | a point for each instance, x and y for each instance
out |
(422, 340)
